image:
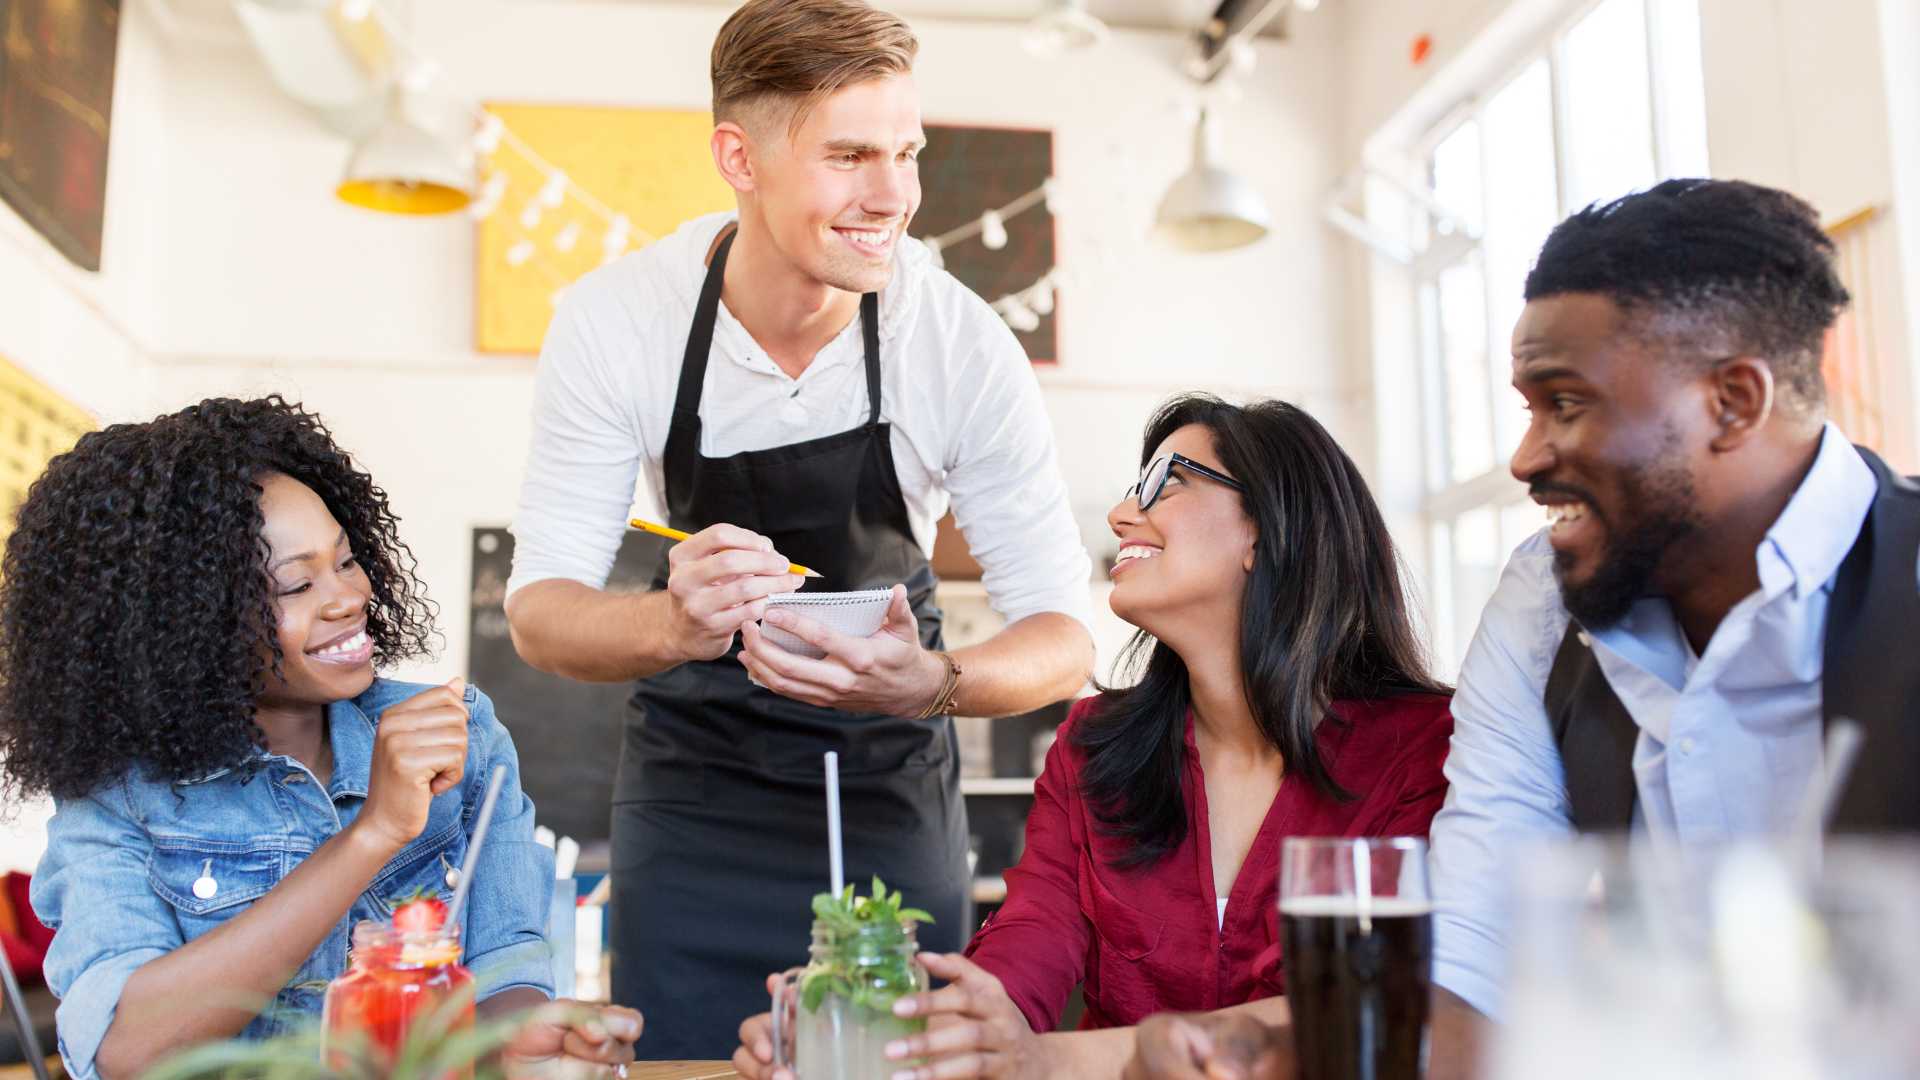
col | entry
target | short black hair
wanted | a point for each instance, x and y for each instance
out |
(137, 624)
(1729, 267)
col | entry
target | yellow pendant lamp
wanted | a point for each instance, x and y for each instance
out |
(418, 160)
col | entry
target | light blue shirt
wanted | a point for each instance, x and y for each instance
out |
(142, 866)
(1729, 740)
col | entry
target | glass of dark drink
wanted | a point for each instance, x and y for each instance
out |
(1356, 918)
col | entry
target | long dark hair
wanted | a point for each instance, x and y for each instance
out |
(137, 625)
(1324, 617)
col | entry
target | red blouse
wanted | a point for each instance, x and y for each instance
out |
(1146, 941)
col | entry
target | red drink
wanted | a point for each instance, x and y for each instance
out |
(400, 983)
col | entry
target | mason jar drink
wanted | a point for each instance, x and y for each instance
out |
(401, 984)
(833, 1019)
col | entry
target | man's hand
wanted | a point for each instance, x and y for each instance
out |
(886, 673)
(567, 1039)
(719, 579)
(1210, 1046)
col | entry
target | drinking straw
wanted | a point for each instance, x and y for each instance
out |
(1363, 883)
(837, 870)
(1822, 799)
(473, 846)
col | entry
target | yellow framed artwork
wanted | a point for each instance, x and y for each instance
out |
(37, 424)
(652, 165)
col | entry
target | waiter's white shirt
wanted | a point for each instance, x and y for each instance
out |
(968, 425)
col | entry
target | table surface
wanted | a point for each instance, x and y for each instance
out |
(681, 1070)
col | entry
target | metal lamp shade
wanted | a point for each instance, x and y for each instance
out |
(1208, 208)
(1066, 26)
(419, 160)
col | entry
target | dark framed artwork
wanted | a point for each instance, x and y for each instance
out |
(56, 110)
(965, 171)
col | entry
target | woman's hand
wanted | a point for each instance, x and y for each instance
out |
(419, 751)
(973, 1028)
(566, 1039)
(754, 1059)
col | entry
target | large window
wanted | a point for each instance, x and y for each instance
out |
(1611, 103)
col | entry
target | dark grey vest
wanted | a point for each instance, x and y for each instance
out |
(1871, 673)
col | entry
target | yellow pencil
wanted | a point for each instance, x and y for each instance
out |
(676, 534)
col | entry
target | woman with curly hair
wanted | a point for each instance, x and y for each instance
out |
(191, 619)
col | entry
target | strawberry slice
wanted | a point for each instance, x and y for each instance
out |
(420, 912)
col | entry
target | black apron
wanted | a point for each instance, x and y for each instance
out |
(719, 815)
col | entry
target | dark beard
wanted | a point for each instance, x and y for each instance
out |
(1667, 516)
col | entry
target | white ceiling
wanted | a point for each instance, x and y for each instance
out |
(1132, 14)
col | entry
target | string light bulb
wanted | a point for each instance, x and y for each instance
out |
(566, 239)
(518, 254)
(1017, 315)
(356, 11)
(554, 191)
(1039, 296)
(993, 230)
(494, 190)
(530, 215)
(486, 140)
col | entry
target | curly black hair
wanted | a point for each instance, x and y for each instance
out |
(136, 611)
(1727, 268)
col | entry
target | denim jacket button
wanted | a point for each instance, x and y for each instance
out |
(204, 886)
(453, 879)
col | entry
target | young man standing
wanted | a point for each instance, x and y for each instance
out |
(794, 383)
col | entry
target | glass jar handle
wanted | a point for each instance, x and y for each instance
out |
(786, 1004)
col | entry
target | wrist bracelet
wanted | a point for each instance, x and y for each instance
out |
(947, 701)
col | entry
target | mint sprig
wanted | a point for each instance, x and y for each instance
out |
(864, 962)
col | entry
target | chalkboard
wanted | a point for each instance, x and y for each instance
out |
(567, 732)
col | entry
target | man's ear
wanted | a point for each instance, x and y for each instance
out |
(732, 155)
(1742, 400)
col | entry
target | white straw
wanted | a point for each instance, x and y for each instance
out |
(1843, 747)
(838, 872)
(473, 845)
(1363, 883)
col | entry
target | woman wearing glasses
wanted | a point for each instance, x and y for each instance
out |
(1281, 691)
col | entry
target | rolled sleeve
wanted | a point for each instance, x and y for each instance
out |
(583, 458)
(1507, 787)
(91, 888)
(1009, 497)
(512, 890)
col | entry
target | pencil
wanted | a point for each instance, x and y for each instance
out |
(676, 534)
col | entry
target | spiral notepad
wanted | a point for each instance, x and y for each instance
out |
(855, 614)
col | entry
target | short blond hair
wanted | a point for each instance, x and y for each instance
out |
(801, 51)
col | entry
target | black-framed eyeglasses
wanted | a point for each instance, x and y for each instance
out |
(1154, 477)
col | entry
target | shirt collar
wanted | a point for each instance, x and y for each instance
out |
(1803, 549)
(349, 732)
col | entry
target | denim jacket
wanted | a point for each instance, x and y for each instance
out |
(118, 881)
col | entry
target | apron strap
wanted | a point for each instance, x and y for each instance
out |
(693, 364)
(870, 337)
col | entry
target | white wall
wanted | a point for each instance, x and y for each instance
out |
(1798, 98)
